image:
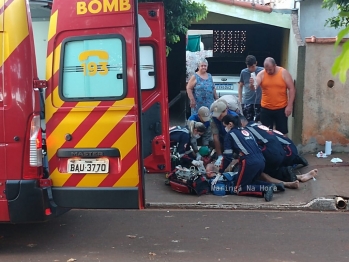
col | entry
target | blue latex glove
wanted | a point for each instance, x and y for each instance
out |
(198, 156)
(218, 161)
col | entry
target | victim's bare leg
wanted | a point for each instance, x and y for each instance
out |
(307, 176)
(292, 185)
(265, 177)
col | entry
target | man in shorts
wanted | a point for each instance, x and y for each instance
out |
(250, 98)
(276, 104)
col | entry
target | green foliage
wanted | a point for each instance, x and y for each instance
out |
(340, 5)
(341, 63)
(179, 14)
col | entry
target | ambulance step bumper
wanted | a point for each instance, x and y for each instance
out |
(26, 201)
(100, 198)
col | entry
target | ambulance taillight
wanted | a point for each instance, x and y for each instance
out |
(33, 150)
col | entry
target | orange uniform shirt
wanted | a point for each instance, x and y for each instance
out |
(274, 91)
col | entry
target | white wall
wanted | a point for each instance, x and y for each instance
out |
(200, 32)
(40, 29)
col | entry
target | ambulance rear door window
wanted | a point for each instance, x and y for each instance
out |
(94, 68)
(147, 67)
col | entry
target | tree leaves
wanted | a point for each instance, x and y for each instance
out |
(342, 19)
(341, 63)
(179, 14)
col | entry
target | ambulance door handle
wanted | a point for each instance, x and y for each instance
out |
(151, 73)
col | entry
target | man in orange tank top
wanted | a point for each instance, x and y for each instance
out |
(276, 104)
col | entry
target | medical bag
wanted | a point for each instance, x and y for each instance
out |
(188, 180)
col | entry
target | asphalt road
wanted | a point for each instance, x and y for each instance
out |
(161, 235)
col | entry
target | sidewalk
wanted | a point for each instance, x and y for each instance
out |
(332, 180)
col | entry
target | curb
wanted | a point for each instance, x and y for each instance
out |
(318, 204)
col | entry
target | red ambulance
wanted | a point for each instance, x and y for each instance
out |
(106, 107)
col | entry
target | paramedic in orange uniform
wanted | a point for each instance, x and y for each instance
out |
(276, 105)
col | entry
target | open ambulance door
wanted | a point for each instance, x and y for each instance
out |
(93, 105)
(3, 203)
(153, 84)
(23, 198)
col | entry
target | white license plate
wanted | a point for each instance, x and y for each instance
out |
(91, 166)
(223, 86)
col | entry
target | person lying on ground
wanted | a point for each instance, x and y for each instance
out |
(212, 170)
(293, 185)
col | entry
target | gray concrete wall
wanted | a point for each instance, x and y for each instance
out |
(325, 110)
(312, 19)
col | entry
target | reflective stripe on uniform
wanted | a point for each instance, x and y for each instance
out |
(228, 151)
(283, 141)
(239, 144)
(179, 129)
(258, 135)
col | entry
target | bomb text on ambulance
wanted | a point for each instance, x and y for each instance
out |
(102, 6)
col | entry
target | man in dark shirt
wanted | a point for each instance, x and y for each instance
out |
(250, 98)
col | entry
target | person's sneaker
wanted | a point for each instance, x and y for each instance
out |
(280, 187)
(291, 175)
(268, 195)
(301, 161)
